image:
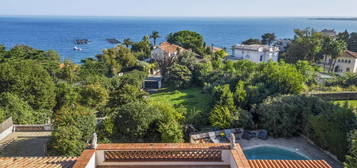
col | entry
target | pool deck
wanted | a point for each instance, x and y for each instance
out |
(296, 144)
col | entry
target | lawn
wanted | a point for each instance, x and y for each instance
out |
(352, 103)
(196, 102)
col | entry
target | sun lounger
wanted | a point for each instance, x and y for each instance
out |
(263, 134)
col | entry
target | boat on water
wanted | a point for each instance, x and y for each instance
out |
(77, 48)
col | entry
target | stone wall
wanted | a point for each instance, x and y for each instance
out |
(6, 128)
(336, 95)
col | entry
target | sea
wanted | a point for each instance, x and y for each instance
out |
(59, 32)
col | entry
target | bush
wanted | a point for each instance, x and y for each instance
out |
(351, 158)
(325, 123)
(221, 117)
(179, 76)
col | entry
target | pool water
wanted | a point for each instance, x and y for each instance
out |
(272, 153)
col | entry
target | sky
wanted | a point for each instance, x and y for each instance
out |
(182, 8)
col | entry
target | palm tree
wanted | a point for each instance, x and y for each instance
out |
(127, 42)
(335, 49)
(155, 35)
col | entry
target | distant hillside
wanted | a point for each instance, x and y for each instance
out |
(349, 19)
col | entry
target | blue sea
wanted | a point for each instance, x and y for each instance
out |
(58, 33)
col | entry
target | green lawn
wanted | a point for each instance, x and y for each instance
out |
(352, 103)
(196, 102)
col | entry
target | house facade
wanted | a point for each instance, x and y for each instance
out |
(166, 50)
(345, 63)
(255, 53)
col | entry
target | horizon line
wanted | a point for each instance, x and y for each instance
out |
(51, 15)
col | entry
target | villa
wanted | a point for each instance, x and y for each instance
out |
(165, 51)
(255, 53)
(329, 33)
(149, 155)
(345, 63)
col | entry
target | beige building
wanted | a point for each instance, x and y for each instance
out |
(345, 63)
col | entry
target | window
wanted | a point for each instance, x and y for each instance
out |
(261, 58)
(349, 61)
(347, 69)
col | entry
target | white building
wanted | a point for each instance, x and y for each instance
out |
(255, 53)
(344, 63)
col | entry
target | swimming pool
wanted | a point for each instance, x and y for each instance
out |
(272, 153)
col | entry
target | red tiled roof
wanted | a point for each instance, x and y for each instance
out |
(239, 158)
(83, 160)
(35, 162)
(161, 146)
(288, 164)
(170, 48)
(350, 54)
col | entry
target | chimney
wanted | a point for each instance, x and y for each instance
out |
(233, 141)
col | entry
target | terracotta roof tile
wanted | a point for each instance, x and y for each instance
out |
(35, 162)
(350, 54)
(161, 146)
(83, 160)
(170, 48)
(288, 164)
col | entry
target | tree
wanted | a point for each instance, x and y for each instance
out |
(283, 116)
(143, 46)
(220, 54)
(94, 95)
(326, 124)
(309, 72)
(240, 94)
(305, 46)
(170, 126)
(334, 49)
(251, 42)
(352, 42)
(118, 58)
(351, 159)
(223, 96)
(155, 35)
(124, 95)
(21, 113)
(179, 76)
(79, 116)
(127, 42)
(133, 120)
(221, 117)
(29, 81)
(73, 128)
(188, 40)
(268, 38)
(67, 141)
(343, 36)
(281, 78)
(330, 130)
(69, 72)
(66, 95)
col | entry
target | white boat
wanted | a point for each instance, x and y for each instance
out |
(77, 48)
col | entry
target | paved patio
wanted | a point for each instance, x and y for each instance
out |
(25, 144)
(296, 144)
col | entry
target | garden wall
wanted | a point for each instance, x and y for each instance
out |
(336, 95)
(6, 128)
